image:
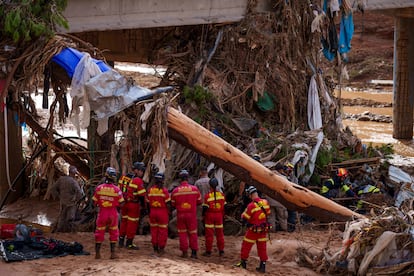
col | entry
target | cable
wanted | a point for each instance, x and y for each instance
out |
(6, 146)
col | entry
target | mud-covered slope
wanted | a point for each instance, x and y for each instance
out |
(371, 57)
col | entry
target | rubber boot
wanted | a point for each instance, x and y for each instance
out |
(97, 250)
(221, 253)
(113, 254)
(207, 254)
(184, 254)
(194, 254)
(262, 267)
(130, 245)
(241, 264)
(156, 249)
(121, 242)
(161, 251)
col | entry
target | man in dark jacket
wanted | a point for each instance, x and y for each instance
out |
(68, 190)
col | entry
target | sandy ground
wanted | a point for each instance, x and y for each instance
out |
(281, 250)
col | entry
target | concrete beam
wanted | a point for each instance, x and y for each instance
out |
(100, 15)
(396, 8)
(389, 4)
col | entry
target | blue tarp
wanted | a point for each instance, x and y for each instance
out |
(69, 58)
(346, 32)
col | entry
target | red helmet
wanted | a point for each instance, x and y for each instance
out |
(342, 172)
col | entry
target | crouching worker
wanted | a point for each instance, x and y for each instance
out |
(256, 215)
(107, 197)
(213, 213)
(159, 202)
(363, 193)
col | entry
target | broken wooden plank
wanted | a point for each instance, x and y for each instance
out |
(356, 163)
(295, 197)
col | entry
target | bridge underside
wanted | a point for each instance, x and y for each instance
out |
(134, 45)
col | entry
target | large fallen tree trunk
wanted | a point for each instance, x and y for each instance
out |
(295, 197)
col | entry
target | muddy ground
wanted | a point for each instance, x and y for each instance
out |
(371, 56)
(282, 251)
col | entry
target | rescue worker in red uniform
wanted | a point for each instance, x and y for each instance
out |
(159, 200)
(213, 213)
(134, 194)
(108, 197)
(185, 199)
(255, 215)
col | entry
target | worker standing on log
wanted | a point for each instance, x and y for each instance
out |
(255, 216)
(134, 194)
(185, 199)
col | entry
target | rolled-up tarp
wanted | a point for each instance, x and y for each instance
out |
(69, 58)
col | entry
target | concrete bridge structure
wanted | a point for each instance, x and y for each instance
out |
(403, 103)
(129, 29)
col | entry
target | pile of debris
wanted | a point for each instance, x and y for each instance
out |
(380, 245)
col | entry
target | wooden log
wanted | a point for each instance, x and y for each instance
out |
(295, 197)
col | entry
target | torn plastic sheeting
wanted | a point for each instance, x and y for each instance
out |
(407, 188)
(406, 193)
(384, 247)
(397, 175)
(110, 93)
(244, 124)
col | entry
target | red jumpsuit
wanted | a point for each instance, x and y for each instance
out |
(158, 217)
(107, 197)
(130, 212)
(257, 228)
(213, 219)
(185, 199)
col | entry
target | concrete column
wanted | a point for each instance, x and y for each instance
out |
(403, 78)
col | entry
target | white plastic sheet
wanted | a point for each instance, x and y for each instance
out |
(406, 191)
(315, 122)
(110, 92)
(314, 108)
(84, 71)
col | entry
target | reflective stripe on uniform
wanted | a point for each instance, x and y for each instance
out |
(248, 240)
(212, 226)
(158, 225)
(132, 219)
(324, 190)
